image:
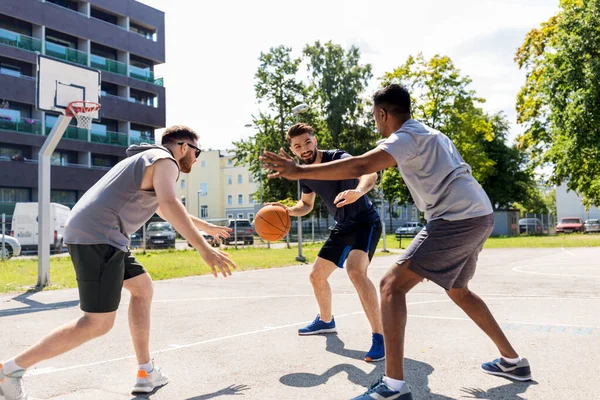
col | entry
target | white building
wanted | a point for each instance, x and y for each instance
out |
(568, 204)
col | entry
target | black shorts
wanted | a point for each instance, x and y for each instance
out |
(101, 270)
(363, 237)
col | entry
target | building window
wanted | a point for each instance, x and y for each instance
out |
(66, 197)
(240, 179)
(251, 216)
(250, 178)
(182, 184)
(63, 158)
(230, 162)
(230, 216)
(203, 163)
(229, 180)
(250, 199)
(229, 200)
(14, 195)
(183, 200)
(240, 199)
(203, 189)
(103, 161)
(204, 211)
(240, 216)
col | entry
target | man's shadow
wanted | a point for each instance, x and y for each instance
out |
(510, 391)
(416, 372)
(231, 390)
(35, 306)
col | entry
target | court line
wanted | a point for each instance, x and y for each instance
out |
(518, 269)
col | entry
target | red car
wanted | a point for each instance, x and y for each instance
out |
(569, 224)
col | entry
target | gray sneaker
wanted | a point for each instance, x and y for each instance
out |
(146, 382)
(11, 386)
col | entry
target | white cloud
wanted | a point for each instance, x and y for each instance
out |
(213, 48)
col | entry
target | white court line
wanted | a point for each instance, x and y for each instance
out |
(519, 269)
(505, 322)
(49, 370)
(567, 251)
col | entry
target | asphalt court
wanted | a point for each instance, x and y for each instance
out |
(236, 337)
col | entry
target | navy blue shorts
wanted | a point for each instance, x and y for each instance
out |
(364, 236)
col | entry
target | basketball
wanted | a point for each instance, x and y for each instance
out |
(272, 223)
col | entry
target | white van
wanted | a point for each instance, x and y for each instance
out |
(25, 225)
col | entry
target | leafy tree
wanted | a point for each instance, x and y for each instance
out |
(559, 104)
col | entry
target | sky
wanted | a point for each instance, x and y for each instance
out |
(212, 49)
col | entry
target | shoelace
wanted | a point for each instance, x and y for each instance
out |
(316, 321)
(374, 385)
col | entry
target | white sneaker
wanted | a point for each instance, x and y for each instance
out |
(148, 381)
(11, 386)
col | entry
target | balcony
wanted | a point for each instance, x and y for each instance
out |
(107, 137)
(143, 74)
(22, 125)
(20, 41)
(107, 65)
(66, 53)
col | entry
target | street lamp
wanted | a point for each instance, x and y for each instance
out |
(299, 109)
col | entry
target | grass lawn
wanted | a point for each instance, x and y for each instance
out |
(19, 275)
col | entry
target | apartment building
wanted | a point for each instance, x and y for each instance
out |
(125, 40)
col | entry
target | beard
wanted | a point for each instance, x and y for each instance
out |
(310, 159)
(185, 164)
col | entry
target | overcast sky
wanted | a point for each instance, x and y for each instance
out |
(213, 47)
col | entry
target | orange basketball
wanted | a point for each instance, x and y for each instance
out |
(272, 223)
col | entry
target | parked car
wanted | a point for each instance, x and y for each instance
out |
(210, 239)
(25, 225)
(136, 239)
(11, 246)
(531, 226)
(591, 225)
(160, 235)
(409, 228)
(245, 231)
(569, 224)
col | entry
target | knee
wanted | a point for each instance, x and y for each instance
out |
(356, 275)
(459, 295)
(144, 292)
(99, 326)
(317, 278)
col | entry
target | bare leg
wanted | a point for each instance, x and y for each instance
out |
(141, 289)
(478, 311)
(321, 271)
(394, 286)
(357, 265)
(67, 337)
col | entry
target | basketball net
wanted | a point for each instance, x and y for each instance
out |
(83, 111)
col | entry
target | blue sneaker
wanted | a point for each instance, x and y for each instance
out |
(520, 371)
(380, 391)
(377, 352)
(318, 326)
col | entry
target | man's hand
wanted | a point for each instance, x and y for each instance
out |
(217, 258)
(279, 205)
(347, 197)
(283, 165)
(218, 232)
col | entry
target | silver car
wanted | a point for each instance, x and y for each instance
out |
(11, 246)
(591, 225)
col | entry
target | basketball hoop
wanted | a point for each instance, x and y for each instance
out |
(83, 111)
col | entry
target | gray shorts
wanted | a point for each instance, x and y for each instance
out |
(445, 252)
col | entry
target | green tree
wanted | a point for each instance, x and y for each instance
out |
(442, 99)
(559, 104)
(394, 190)
(338, 81)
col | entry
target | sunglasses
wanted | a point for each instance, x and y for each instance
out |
(198, 151)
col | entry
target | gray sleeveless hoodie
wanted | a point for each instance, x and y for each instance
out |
(115, 207)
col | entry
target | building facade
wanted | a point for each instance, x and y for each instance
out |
(568, 204)
(217, 189)
(125, 40)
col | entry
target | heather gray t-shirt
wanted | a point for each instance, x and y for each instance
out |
(116, 206)
(438, 178)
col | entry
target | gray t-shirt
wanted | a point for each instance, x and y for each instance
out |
(116, 206)
(438, 178)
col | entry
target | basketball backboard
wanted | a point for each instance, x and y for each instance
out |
(59, 83)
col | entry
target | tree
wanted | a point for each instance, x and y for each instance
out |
(559, 104)
(278, 88)
(338, 81)
(441, 99)
(394, 190)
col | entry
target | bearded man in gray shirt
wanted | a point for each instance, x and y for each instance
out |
(97, 236)
(460, 219)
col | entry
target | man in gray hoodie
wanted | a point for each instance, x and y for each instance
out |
(97, 236)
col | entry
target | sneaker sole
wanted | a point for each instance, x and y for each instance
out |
(332, 330)
(369, 359)
(504, 374)
(149, 390)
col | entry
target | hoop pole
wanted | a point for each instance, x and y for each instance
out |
(44, 234)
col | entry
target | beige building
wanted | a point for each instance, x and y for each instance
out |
(217, 188)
